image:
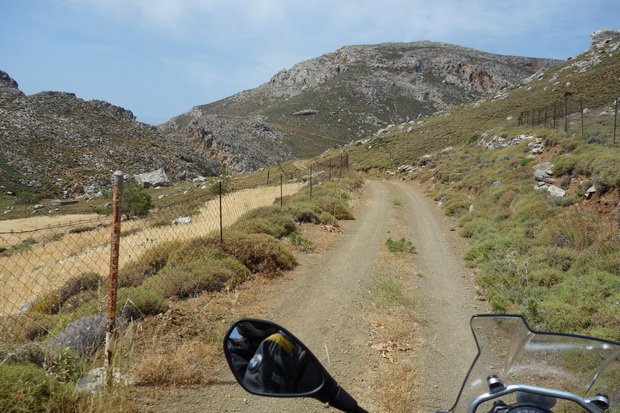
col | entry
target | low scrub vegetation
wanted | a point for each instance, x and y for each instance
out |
(400, 246)
(72, 316)
(553, 259)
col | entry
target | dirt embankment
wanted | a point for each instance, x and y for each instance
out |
(322, 302)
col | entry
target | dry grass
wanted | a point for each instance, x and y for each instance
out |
(173, 363)
(184, 345)
(392, 321)
(60, 255)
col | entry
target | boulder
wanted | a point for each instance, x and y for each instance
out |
(85, 334)
(555, 191)
(155, 178)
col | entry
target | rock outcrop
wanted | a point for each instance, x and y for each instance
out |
(8, 86)
(243, 144)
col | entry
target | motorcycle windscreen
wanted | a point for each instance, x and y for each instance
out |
(509, 349)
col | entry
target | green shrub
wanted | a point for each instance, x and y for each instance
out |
(27, 198)
(191, 278)
(138, 302)
(271, 220)
(457, 206)
(300, 242)
(150, 262)
(306, 212)
(52, 303)
(572, 229)
(526, 161)
(25, 244)
(335, 206)
(583, 302)
(477, 227)
(25, 387)
(400, 246)
(22, 328)
(135, 200)
(260, 253)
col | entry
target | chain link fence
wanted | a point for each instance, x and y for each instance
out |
(50, 266)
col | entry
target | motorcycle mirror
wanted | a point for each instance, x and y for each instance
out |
(268, 360)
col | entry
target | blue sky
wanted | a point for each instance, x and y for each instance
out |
(159, 58)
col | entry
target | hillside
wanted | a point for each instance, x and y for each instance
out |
(357, 90)
(533, 177)
(54, 142)
(58, 144)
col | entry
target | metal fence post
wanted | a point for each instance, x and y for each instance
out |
(310, 180)
(616, 120)
(281, 191)
(113, 275)
(221, 216)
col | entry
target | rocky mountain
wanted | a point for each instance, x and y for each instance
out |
(57, 143)
(356, 90)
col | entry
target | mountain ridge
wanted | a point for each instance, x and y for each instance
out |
(356, 90)
(56, 142)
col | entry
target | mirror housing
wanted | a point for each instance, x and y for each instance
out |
(268, 360)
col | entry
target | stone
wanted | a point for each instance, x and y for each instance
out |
(151, 179)
(555, 191)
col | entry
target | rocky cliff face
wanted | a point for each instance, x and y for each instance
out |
(356, 90)
(55, 142)
(243, 144)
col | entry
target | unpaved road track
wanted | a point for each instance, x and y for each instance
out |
(322, 303)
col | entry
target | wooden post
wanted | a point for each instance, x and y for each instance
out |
(110, 330)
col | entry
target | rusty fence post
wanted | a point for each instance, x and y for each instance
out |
(110, 330)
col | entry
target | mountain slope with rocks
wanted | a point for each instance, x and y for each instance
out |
(357, 90)
(57, 143)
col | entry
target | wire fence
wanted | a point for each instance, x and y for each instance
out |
(593, 120)
(50, 266)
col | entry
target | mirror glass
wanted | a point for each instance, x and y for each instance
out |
(268, 360)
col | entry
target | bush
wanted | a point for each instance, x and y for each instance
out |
(191, 278)
(135, 303)
(25, 387)
(22, 328)
(260, 253)
(270, 220)
(400, 246)
(27, 198)
(306, 212)
(135, 200)
(300, 242)
(150, 262)
(52, 303)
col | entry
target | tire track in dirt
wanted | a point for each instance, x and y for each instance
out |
(445, 300)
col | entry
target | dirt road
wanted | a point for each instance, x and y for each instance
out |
(322, 303)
